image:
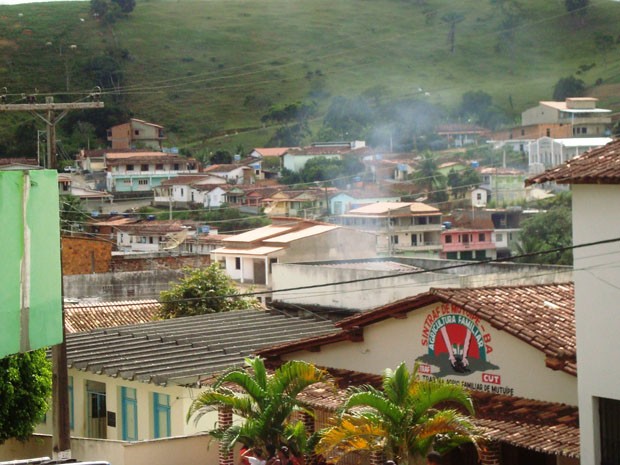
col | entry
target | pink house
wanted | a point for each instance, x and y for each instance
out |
(468, 244)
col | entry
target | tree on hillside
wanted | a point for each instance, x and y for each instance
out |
(551, 229)
(429, 179)
(576, 7)
(405, 419)
(108, 11)
(202, 291)
(568, 87)
(265, 403)
(25, 388)
(452, 19)
(462, 181)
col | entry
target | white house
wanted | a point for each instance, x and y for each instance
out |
(151, 236)
(296, 158)
(248, 257)
(545, 153)
(399, 226)
(595, 183)
(189, 189)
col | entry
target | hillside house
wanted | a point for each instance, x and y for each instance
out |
(580, 114)
(545, 153)
(460, 135)
(504, 185)
(151, 235)
(249, 257)
(400, 227)
(143, 171)
(306, 203)
(468, 244)
(136, 134)
(513, 346)
(233, 173)
(193, 189)
(296, 158)
(594, 178)
(344, 201)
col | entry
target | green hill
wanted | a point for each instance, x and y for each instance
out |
(209, 70)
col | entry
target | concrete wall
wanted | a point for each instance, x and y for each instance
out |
(369, 294)
(158, 262)
(119, 286)
(337, 244)
(596, 307)
(186, 450)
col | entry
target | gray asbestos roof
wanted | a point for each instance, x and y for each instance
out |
(184, 350)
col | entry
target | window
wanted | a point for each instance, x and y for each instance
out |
(478, 195)
(126, 181)
(136, 132)
(522, 132)
(609, 425)
(237, 263)
(129, 168)
(150, 239)
(464, 238)
(499, 237)
(129, 413)
(143, 182)
(394, 239)
(144, 167)
(481, 237)
(161, 415)
(271, 262)
(548, 132)
(159, 166)
(176, 167)
(452, 255)
(448, 239)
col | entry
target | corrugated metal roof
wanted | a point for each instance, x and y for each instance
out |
(183, 350)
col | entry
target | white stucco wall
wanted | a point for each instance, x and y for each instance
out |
(180, 401)
(519, 368)
(597, 307)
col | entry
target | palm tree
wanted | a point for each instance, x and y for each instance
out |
(265, 402)
(429, 179)
(406, 419)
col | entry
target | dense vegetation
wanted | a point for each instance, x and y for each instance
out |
(233, 74)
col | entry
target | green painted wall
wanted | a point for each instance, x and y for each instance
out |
(30, 237)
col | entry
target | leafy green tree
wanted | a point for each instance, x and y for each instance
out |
(264, 401)
(568, 87)
(429, 179)
(221, 156)
(25, 390)
(405, 419)
(461, 181)
(72, 214)
(548, 230)
(202, 291)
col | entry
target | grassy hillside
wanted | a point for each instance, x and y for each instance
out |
(202, 68)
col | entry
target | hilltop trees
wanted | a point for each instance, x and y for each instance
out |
(110, 10)
(25, 387)
(568, 87)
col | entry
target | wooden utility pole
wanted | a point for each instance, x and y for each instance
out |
(51, 113)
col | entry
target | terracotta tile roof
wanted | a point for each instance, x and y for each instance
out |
(459, 129)
(596, 166)
(540, 315)
(84, 317)
(223, 168)
(185, 179)
(15, 161)
(152, 227)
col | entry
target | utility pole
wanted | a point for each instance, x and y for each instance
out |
(51, 113)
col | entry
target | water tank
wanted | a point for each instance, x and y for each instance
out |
(447, 224)
(150, 217)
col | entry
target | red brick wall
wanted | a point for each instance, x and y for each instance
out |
(82, 255)
(120, 263)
